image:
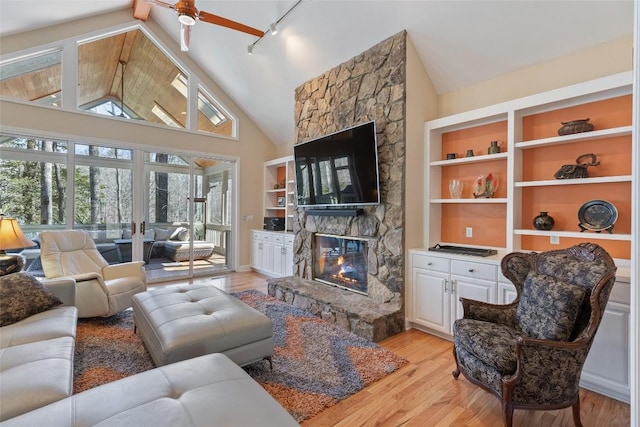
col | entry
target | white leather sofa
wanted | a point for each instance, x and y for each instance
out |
(205, 391)
(36, 383)
(36, 355)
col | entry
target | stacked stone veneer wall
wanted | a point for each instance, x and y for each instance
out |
(370, 86)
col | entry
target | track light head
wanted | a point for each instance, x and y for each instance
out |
(273, 28)
(250, 49)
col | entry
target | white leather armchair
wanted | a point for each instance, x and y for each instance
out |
(101, 289)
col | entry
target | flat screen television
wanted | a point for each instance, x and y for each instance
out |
(338, 170)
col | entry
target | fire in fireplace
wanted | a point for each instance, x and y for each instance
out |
(341, 261)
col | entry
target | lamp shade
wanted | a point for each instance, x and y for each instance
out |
(11, 237)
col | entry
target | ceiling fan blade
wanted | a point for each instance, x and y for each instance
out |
(185, 37)
(161, 3)
(219, 20)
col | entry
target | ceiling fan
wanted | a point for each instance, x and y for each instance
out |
(188, 15)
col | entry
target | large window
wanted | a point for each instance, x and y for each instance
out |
(124, 75)
(33, 187)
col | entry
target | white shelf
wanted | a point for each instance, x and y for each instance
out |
(277, 190)
(474, 159)
(470, 201)
(275, 208)
(580, 181)
(589, 235)
(577, 137)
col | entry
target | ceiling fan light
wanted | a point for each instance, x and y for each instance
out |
(273, 28)
(186, 19)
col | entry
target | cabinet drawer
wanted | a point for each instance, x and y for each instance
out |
(431, 263)
(474, 269)
(288, 240)
(265, 237)
(277, 238)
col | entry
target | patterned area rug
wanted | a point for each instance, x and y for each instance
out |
(315, 364)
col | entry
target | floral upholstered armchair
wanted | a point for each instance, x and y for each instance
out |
(530, 353)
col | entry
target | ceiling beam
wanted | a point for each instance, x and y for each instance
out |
(141, 9)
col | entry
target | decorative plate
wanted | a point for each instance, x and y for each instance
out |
(597, 215)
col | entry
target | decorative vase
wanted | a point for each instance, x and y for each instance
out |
(494, 148)
(543, 222)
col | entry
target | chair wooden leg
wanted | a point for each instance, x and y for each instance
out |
(576, 413)
(507, 413)
(456, 373)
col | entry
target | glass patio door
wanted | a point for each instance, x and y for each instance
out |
(186, 216)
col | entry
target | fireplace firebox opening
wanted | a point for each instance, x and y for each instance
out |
(341, 261)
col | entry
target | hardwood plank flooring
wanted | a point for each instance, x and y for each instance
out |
(424, 393)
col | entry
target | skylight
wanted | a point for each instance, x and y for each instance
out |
(205, 106)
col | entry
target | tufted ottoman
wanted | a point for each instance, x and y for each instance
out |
(185, 321)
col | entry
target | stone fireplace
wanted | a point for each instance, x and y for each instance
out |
(370, 86)
(341, 261)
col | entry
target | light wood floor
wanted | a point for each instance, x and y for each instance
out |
(424, 393)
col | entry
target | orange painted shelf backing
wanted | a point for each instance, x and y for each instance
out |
(487, 221)
(606, 114)
(616, 248)
(613, 154)
(477, 139)
(468, 173)
(563, 204)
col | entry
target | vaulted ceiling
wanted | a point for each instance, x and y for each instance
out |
(460, 42)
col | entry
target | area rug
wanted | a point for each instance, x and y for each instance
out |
(315, 363)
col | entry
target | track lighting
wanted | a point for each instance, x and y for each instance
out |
(273, 28)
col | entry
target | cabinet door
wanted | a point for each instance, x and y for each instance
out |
(267, 255)
(431, 295)
(506, 293)
(480, 290)
(288, 260)
(256, 252)
(606, 370)
(278, 260)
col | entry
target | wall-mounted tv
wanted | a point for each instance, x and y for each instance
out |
(340, 169)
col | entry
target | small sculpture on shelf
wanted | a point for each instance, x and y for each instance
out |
(579, 170)
(486, 186)
(575, 126)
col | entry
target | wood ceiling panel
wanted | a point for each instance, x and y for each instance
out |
(33, 86)
(97, 66)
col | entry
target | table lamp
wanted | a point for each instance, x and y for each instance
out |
(11, 237)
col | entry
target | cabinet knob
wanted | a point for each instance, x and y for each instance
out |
(471, 270)
(429, 263)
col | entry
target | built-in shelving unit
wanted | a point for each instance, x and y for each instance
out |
(531, 153)
(279, 187)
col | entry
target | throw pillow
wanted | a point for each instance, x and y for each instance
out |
(21, 296)
(548, 307)
(181, 234)
(163, 233)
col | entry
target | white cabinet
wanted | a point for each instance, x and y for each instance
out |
(606, 370)
(282, 254)
(261, 251)
(272, 253)
(437, 284)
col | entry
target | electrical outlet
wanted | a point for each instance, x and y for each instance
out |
(554, 240)
(248, 218)
(469, 232)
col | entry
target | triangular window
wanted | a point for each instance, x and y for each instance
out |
(124, 75)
